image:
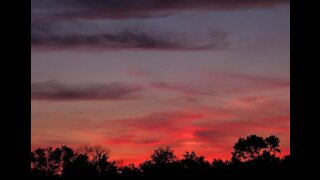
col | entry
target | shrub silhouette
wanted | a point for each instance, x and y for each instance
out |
(252, 157)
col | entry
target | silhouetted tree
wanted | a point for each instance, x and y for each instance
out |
(249, 148)
(192, 161)
(194, 165)
(254, 147)
(67, 154)
(104, 167)
(130, 171)
(98, 158)
(163, 161)
(272, 143)
(55, 161)
(219, 164)
(39, 163)
(94, 153)
(79, 167)
(92, 160)
(163, 156)
(253, 158)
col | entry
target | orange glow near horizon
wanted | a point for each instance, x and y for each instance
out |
(133, 140)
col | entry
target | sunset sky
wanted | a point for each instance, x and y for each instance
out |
(134, 75)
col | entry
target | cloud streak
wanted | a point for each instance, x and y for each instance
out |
(121, 9)
(129, 39)
(56, 91)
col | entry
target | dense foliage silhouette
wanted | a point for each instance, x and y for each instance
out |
(253, 157)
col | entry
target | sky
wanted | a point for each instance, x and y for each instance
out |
(135, 75)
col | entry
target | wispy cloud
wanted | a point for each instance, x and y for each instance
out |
(226, 129)
(158, 120)
(137, 73)
(217, 84)
(57, 91)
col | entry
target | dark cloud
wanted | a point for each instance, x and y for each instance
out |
(55, 91)
(127, 39)
(96, 9)
(49, 17)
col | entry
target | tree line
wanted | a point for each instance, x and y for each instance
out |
(252, 157)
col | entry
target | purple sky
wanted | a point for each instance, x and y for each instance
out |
(134, 75)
